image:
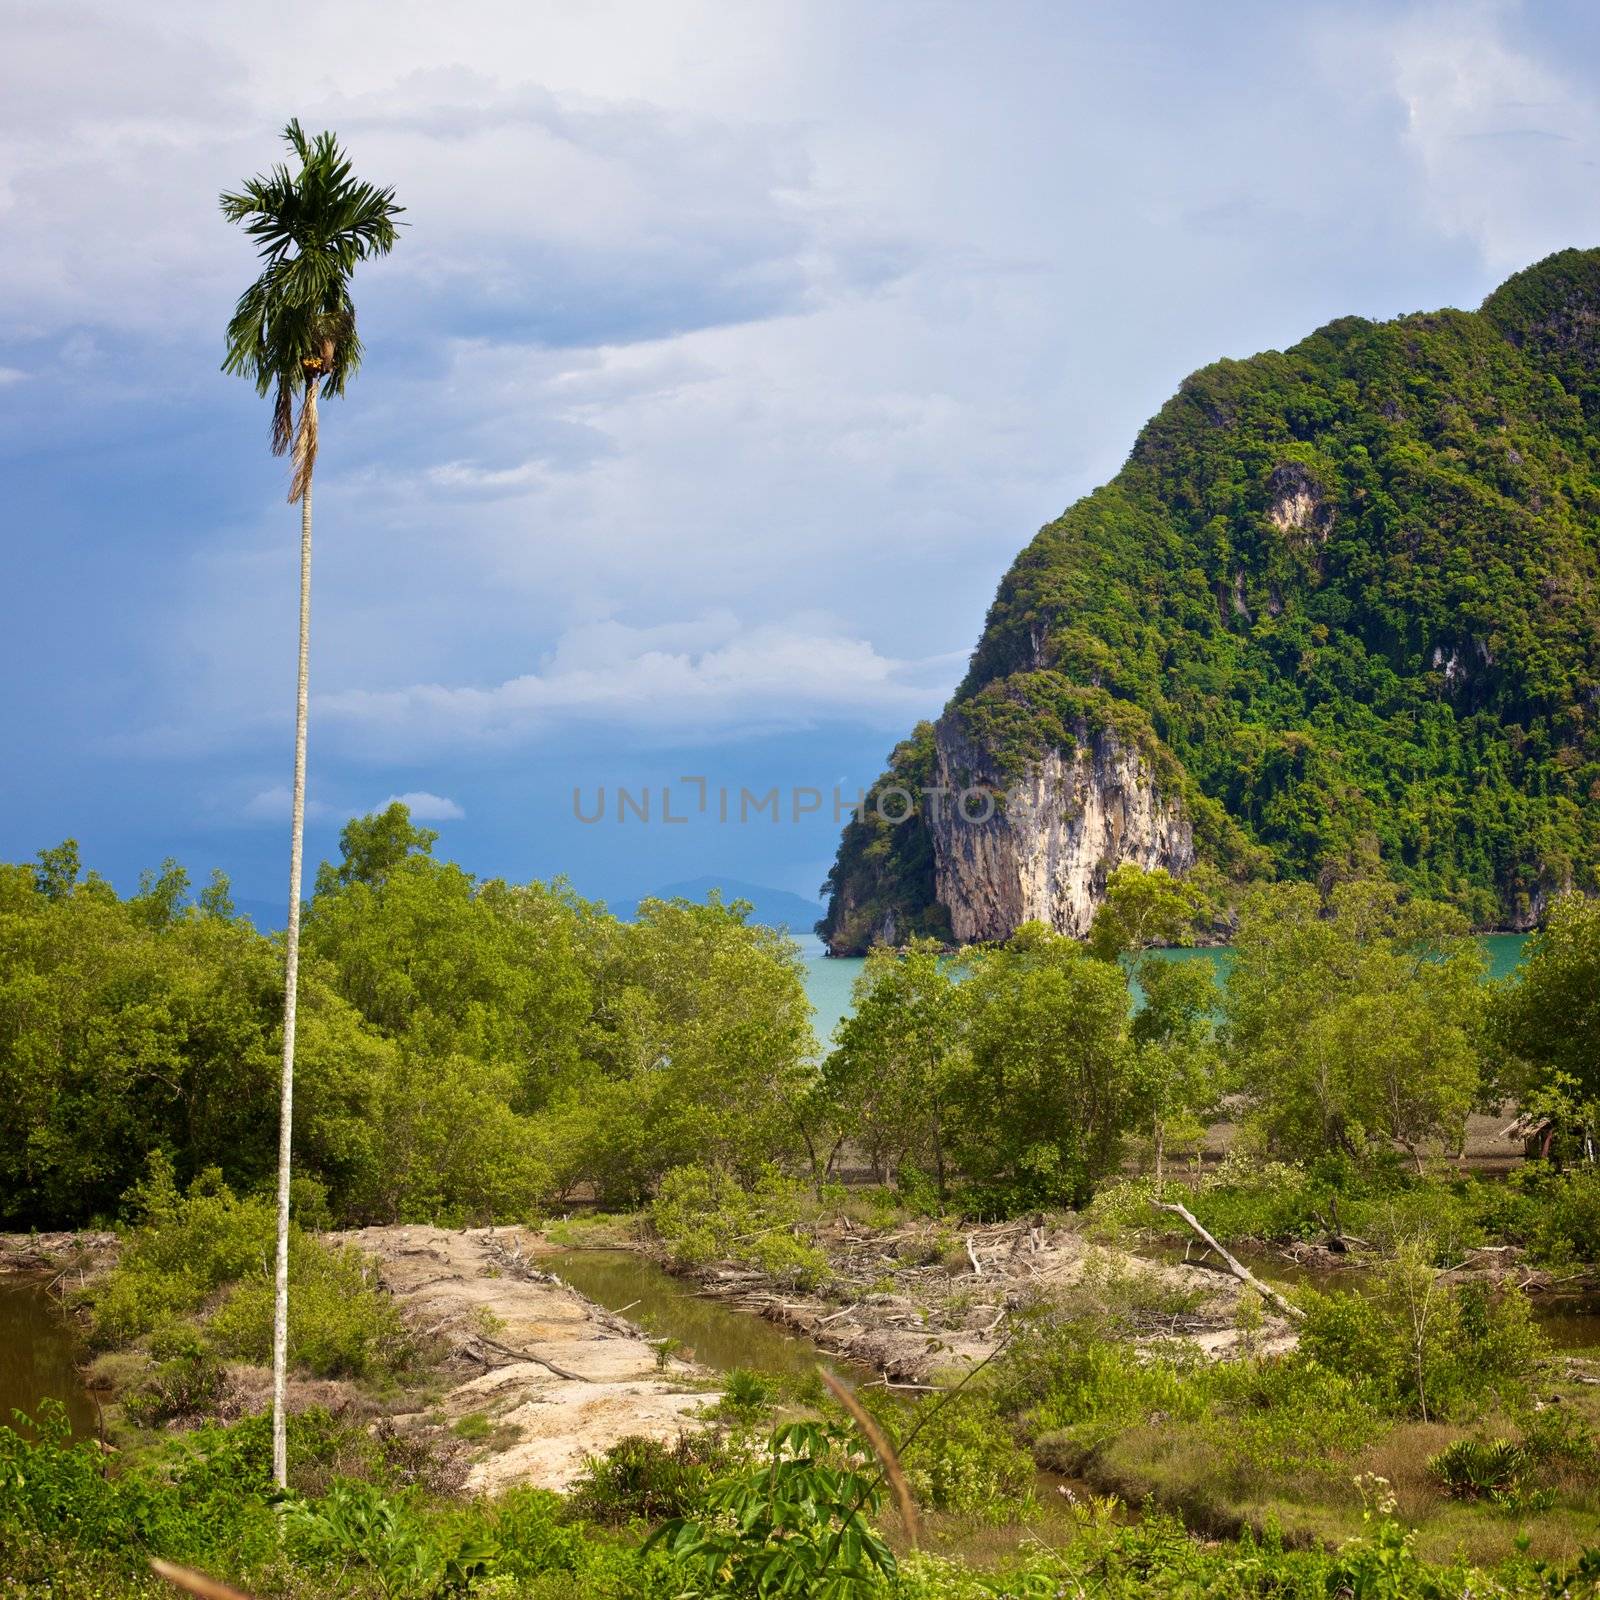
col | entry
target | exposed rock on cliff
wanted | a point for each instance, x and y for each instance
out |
(1045, 850)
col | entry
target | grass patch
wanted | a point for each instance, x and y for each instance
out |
(596, 1230)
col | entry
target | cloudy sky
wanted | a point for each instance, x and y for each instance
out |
(730, 354)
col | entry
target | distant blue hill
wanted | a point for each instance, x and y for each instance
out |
(776, 908)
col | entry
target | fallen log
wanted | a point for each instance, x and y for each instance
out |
(528, 1355)
(1234, 1265)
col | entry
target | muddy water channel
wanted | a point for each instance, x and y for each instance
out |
(716, 1335)
(39, 1354)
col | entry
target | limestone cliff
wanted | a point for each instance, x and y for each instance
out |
(1045, 851)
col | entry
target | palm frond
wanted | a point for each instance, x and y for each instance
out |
(294, 328)
(282, 418)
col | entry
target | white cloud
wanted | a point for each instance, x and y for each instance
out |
(703, 678)
(1503, 143)
(800, 316)
(11, 375)
(425, 807)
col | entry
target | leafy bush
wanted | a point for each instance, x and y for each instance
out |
(792, 1525)
(1254, 1422)
(1482, 1469)
(1279, 1420)
(643, 1479)
(1073, 1391)
(185, 1383)
(194, 1279)
(341, 1325)
(358, 1526)
(704, 1215)
(965, 1460)
(186, 1248)
(1560, 1222)
(1423, 1347)
(746, 1394)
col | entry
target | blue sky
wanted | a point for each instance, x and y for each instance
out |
(732, 352)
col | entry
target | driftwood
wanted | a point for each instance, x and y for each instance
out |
(1234, 1265)
(528, 1355)
(972, 1256)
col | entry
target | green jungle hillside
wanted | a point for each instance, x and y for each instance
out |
(1344, 596)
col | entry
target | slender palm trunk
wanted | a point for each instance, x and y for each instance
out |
(291, 985)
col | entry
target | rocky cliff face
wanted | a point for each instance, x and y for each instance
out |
(1339, 612)
(1046, 852)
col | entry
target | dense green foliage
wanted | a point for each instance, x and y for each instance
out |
(1357, 1027)
(481, 1050)
(1344, 598)
(490, 1045)
(1546, 1026)
(794, 1524)
(888, 1079)
(1047, 1087)
(191, 1284)
(466, 1050)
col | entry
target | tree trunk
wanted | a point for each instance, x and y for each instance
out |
(1234, 1265)
(291, 985)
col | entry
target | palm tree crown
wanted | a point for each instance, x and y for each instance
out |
(295, 326)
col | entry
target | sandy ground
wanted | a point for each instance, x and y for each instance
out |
(559, 1379)
(1486, 1151)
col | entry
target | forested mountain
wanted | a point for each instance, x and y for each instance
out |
(1337, 614)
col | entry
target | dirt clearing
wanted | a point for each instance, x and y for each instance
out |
(556, 1378)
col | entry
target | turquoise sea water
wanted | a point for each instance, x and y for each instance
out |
(828, 981)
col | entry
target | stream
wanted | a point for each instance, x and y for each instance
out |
(39, 1352)
(720, 1337)
(715, 1335)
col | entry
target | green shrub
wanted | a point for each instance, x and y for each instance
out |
(965, 1460)
(704, 1215)
(357, 1526)
(1482, 1469)
(793, 1525)
(641, 1479)
(185, 1382)
(745, 1393)
(1277, 1420)
(194, 1280)
(1422, 1347)
(185, 1248)
(1072, 1390)
(1564, 1217)
(340, 1324)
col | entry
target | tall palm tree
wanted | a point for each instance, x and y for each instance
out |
(294, 332)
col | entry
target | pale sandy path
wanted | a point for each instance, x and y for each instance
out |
(569, 1376)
